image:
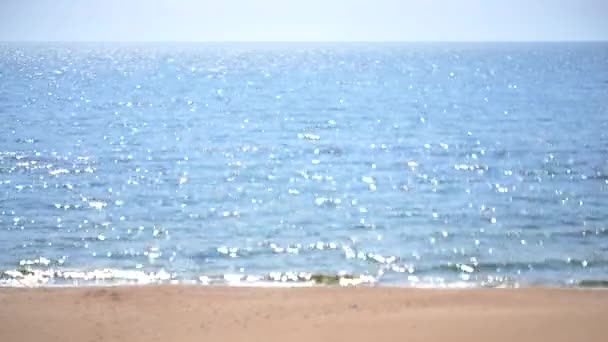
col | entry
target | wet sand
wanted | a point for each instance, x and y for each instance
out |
(192, 313)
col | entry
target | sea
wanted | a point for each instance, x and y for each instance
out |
(397, 164)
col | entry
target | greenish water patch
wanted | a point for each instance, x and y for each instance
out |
(329, 279)
(24, 270)
(593, 283)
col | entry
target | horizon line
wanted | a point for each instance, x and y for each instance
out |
(301, 41)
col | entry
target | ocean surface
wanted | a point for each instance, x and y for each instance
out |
(399, 164)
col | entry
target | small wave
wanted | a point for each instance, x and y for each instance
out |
(593, 283)
(26, 276)
(515, 266)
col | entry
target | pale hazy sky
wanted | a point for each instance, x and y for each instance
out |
(305, 20)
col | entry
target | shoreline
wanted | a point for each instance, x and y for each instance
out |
(603, 286)
(26, 277)
(326, 313)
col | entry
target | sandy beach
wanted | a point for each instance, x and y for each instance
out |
(190, 313)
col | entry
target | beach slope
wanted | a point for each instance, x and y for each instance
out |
(193, 313)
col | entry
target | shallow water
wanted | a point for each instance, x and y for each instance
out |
(415, 164)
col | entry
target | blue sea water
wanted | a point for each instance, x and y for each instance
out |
(409, 164)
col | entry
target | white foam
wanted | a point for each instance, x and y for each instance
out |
(97, 204)
(58, 172)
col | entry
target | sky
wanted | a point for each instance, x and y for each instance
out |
(304, 20)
